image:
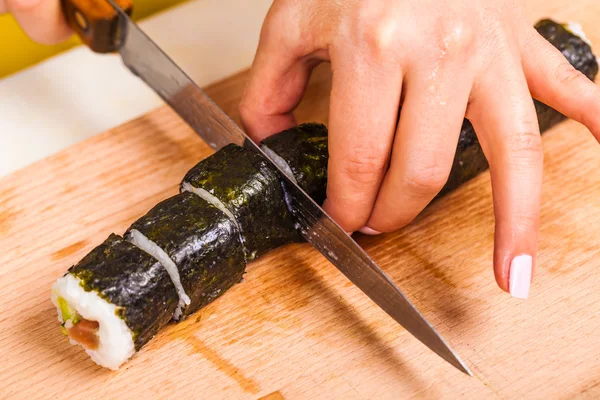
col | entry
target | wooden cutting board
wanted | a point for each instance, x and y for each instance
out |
(296, 328)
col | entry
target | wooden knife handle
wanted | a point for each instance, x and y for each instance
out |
(95, 21)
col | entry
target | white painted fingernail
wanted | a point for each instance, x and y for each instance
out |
(368, 231)
(520, 276)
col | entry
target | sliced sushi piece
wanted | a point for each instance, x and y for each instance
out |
(246, 184)
(303, 151)
(201, 241)
(114, 300)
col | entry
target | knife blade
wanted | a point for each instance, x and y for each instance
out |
(146, 60)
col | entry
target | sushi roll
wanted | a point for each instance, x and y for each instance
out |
(302, 153)
(198, 242)
(114, 301)
(189, 249)
(250, 189)
(180, 256)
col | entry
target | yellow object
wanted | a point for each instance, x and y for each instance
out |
(17, 51)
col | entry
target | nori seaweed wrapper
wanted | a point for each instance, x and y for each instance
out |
(304, 148)
(251, 189)
(131, 279)
(202, 242)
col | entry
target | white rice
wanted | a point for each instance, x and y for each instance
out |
(576, 29)
(280, 162)
(138, 239)
(115, 338)
(206, 195)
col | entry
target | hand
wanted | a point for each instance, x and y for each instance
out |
(42, 20)
(443, 60)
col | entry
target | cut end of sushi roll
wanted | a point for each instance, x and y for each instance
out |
(92, 322)
(577, 30)
(138, 239)
(280, 162)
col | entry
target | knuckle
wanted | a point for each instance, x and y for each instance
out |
(455, 36)
(375, 30)
(381, 38)
(426, 180)
(363, 166)
(567, 75)
(527, 146)
(526, 221)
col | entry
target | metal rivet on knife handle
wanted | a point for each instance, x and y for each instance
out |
(95, 22)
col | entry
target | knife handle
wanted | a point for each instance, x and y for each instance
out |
(95, 22)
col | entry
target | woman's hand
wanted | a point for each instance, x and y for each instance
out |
(442, 60)
(42, 20)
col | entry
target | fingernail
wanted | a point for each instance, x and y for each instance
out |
(368, 231)
(520, 276)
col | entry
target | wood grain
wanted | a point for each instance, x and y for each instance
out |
(296, 328)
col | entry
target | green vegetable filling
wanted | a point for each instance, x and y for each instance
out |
(67, 313)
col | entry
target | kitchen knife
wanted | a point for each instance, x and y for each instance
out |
(105, 27)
